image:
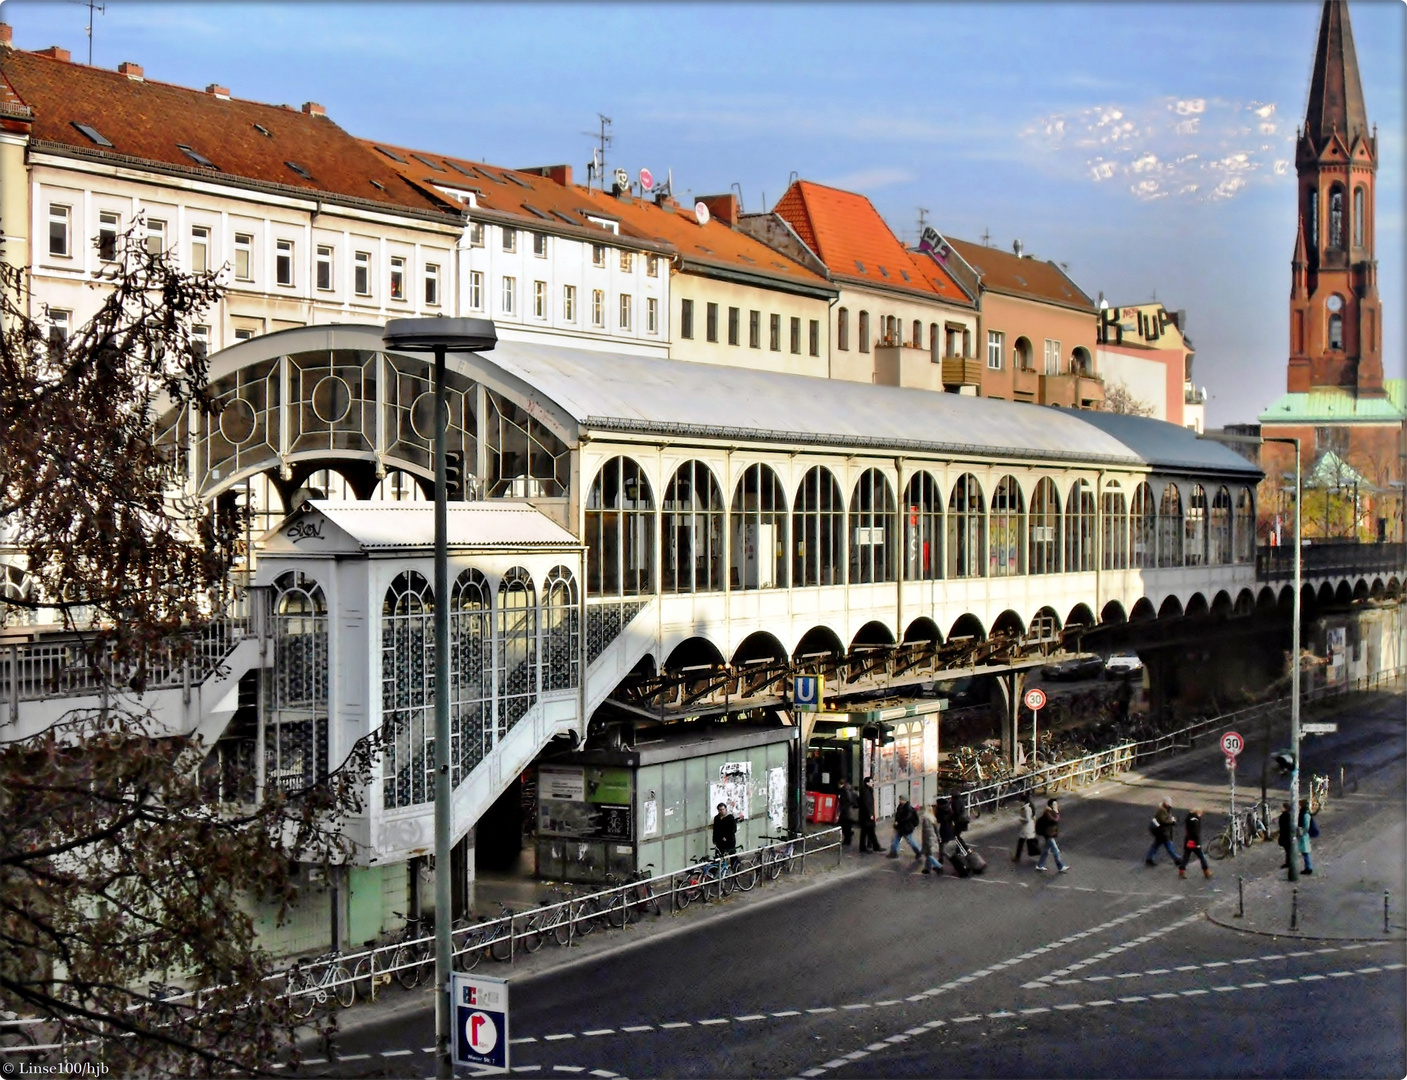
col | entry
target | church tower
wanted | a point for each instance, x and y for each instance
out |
(1335, 316)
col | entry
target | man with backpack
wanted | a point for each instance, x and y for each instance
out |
(905, 821)
(1048, 828)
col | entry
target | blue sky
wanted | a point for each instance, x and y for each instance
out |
(1147, 146)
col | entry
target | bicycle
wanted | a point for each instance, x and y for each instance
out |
(413, 961)
(1318, 793)
(780, 856)
(307, 992)
(629, 902)
(16, 1034)
(1229, 841)
(702, 881)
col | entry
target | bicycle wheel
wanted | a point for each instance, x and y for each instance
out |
(745, 877)
(501, 942)
(364, 976)
(586, 916)
(302, 996)
(687, 889)
(342, 985)
(561, 926)
(711, 887)
(786, 859)
(473, 946)
(617, 911)
(532, 936)
(1220, 847)
(405, 963)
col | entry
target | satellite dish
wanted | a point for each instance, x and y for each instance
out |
(701, 213)
(622, 179)
(647, 181)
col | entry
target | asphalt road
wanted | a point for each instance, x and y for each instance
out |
(1110, 970)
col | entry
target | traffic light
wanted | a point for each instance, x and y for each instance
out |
(1285, 762)
(454, 476)
(883, 732)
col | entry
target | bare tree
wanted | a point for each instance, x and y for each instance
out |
(1118, 399)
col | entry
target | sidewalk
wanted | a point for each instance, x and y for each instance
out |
(1341, 901)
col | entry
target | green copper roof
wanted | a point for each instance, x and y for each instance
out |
(1332, 405)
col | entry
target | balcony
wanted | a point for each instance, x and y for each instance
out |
(959, 372)
(1073, 391)
(1025, 384)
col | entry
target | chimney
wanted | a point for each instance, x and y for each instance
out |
(131, 70)
(54, 52)
(221, 92)
(722, 208)
(558, 174)
(1017, 247)
(312, 108)
(7, 34)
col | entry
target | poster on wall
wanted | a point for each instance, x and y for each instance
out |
(607, 785)
(733, 789)
(1338, 669)
(564, 782)
(777, 798)
(652, 818)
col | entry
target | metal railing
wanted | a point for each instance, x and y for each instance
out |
(1326, 557)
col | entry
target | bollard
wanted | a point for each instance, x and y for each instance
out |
(1294, 909)
(1240, 897)
(1385, 922)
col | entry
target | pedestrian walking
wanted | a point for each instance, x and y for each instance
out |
(1026, 833)
(905, 822)
(1048, 828)
(1162, 828)
(932, 862)
(1306, 827)
(848, 801)
(1287, 834)
(867, 834)
(1192, 844)
(725, 830)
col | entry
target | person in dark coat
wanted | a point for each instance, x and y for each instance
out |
(1192, 844)
(943, 816)
(1048, 828)
(1162, 827)
(906, 820)
(1302, 838)
(725, 830)
(1287, 834)
(848, 801)
(868, 840)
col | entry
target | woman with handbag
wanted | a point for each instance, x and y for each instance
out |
(1026, 834)
(1192, 844)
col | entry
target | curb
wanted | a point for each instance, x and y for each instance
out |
(1228, 922)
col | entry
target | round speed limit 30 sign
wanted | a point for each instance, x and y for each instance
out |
(1232, 743)
(1035, 698)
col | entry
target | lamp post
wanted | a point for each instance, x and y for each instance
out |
(1257, 440)
(438, 336)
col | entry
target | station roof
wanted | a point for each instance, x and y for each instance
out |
(332, 528)
(614, 392)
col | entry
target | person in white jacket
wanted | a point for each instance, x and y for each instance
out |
(1025, 837)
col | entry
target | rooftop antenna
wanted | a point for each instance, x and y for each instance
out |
(986, 238)
(739, 187)
(922, 220)
(598, 153)
(92, 6)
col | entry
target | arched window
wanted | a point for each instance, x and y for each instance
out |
(872, 529)
(16, 585)
(842, 328)
(1359, 205)
(1044, 555)
(818, 528)
(517, 647)
(1115, 541)
(1021, 355)
(561, 631)
(923, 529)
(407, 690)
(1143, 529)
(935, 347)
(1170, 527)
(917, 339)
(1313, 238)
(1336, 216)
(891, 330)
(691, 524)
(1008, 529)
(620, 531)
(1194, 546)
(295, 739)
(1219, 534)
(759, 524)
(1079, 528)
(967, 528)
(864, 331)
(1335, 332)
(470, 671)
(1244, 536)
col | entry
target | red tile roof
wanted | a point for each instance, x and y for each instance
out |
(149, 121)
(1036, 279)
(848, 235)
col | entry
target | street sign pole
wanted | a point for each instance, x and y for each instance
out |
(1034, 700)
(1235, 832)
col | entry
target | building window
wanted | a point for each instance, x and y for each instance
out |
(1244, 537)
(995, 346)
(627, 262)
(60, 326)
(324, 267)
(1219, 532)
(432, 285)
(935, 343)
(686, 319)
(1170, 527)
(156, 236)
(510, 239)
(873, 526)
(923, 518)
(754, 329)
(967, 525)
(283, 262)
(598, 254)
(243, 333)
(540, 245)
(1007, 541)
(569, 303)
(735, 332)
(1336, 217)
(361, 274)
(1336, 331)
(864, 331)
(1194, 532)
(476, 290)
(1079, 528)
(244, 257)
(397, 277)
(476, 234)
(795, 336)
(711, 322)
(1143, 529)
(200, 340)
(774, 332)
(842, 329)
(510, 289)
(652, 266)
(58, 230)
(200, 249)
(620, 531)
(818, 526)
(815, 337)
(108, 222)
(624, 311)
(540, 299)
(1044, 553)
(1052, 357)
(759, 524)
(1115, 536)
(1358, 209)
(691, 524)
(1314, 218)
(652, 316)
(598, 307)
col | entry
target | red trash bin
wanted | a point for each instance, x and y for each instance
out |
(821, 808)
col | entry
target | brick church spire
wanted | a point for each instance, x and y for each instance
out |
(1335, 315)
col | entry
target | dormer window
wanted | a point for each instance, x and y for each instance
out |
(392, 155)
(304, 173)
(195, 155)
(426, 161)
(262, 130)
(92, 133)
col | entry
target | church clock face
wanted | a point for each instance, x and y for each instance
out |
(1335, 303)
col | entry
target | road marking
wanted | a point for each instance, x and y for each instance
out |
(1339, 974)
(814, 1072)
(600, 1031)
(1215, 963)
(1070, 1005)
(639, 1027)
(834, 1063)
(569, 1068)
(1253, 985)
(1282, 982)
(878, 1046)
(885, 1004)
(511, 1042)
(861, 1005)
(753, 1016)
(1311, 978)
(1032, 1012)
(916, 1031)
(1192, 993)
(822, 1009)
(1094, 1004)
(355, 1057)
(675, 1024)
(315, 1061)
(555, 1038)
(856, 1055)
(1163, 996)
(897, 1038)
(395, 1053)
(1225, 989)
(603, 1073)
(788, 1012)
(715, 1020)
(526, 1068)
(999, 1014)
(966, 1019)
(1131, 999)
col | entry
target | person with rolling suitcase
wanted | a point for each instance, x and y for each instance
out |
(969, 856)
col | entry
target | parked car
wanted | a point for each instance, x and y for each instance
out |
(1077, 667)
(1123, 665)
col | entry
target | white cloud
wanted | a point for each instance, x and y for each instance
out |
(870, 179)
(1192, 148)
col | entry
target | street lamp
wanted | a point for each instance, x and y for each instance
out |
(438, 336)
(1257, 440)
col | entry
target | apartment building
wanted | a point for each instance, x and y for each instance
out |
(1144, 350)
